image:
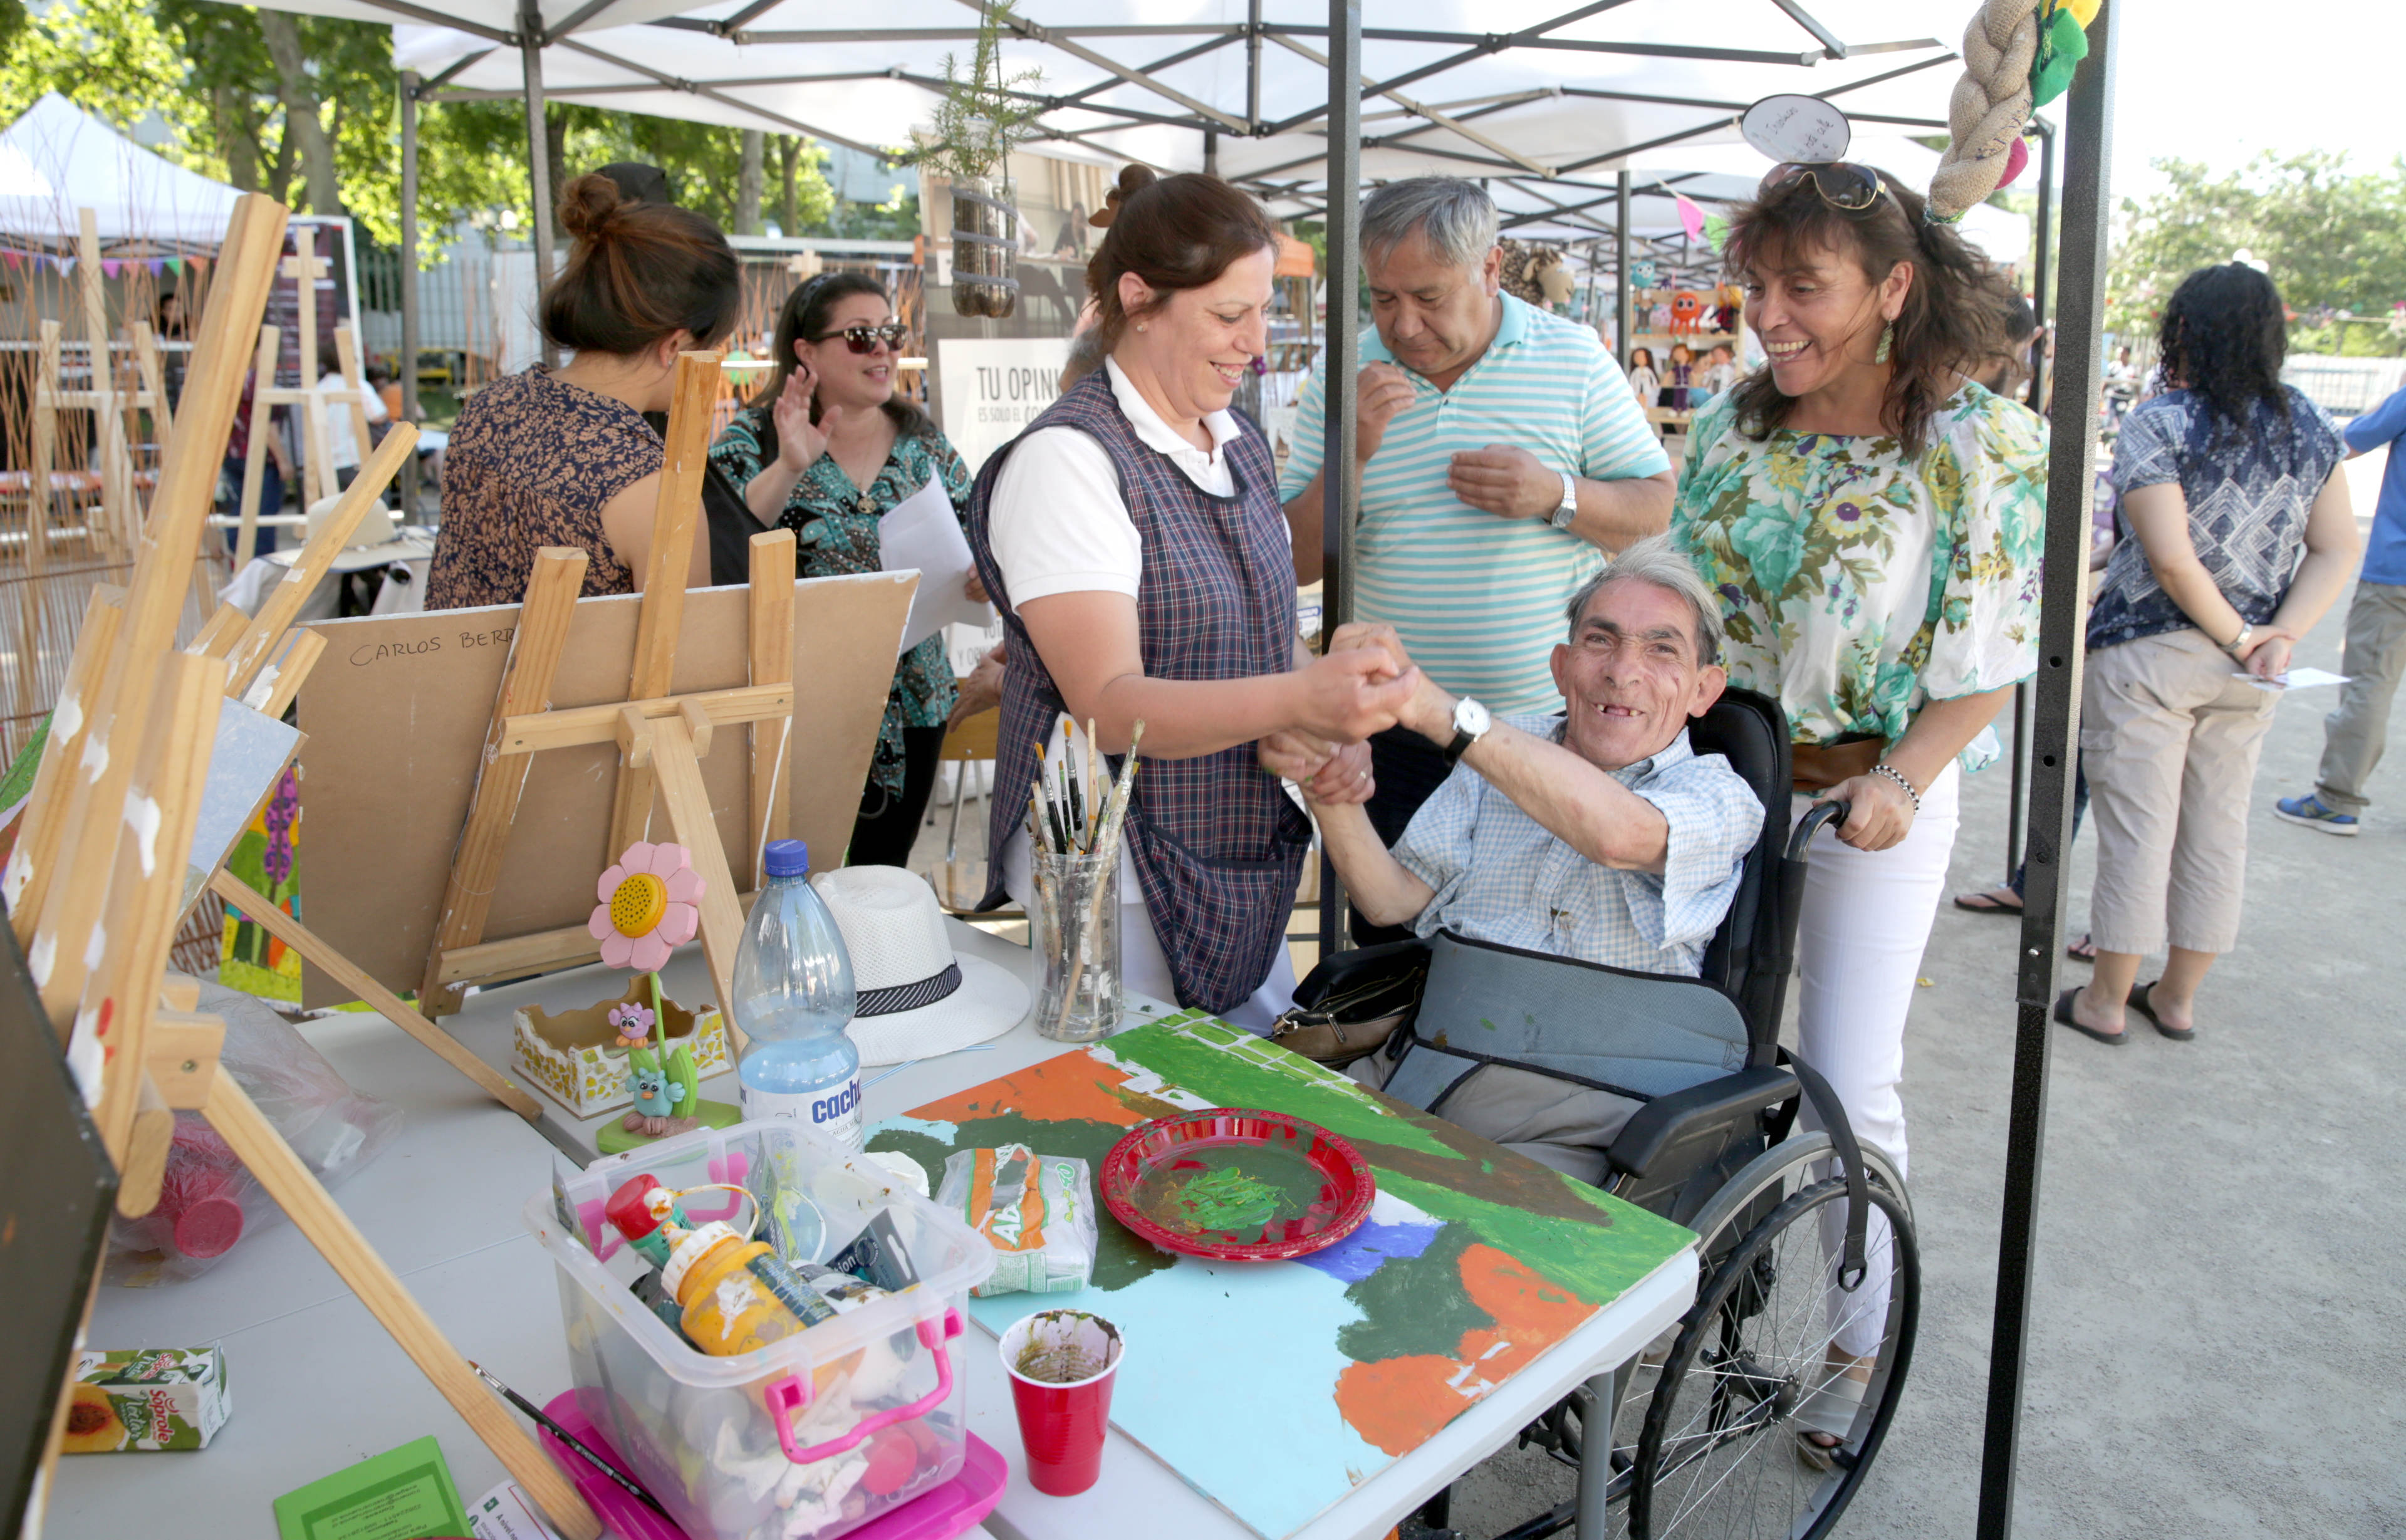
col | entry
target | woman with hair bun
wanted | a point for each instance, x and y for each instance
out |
(1874, 522)
(563, 457)
(1133, 538)
(827, 449)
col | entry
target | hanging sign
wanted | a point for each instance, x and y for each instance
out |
(990, 388)
(1796, 128)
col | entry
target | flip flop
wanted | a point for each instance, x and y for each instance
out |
(1981, 903)
(2142, 1001)
(2077, 955)
(2063, 1014)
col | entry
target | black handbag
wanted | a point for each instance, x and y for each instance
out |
(1354, 1002)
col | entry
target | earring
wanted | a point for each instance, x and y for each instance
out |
(1139, 326)
(1887, 339)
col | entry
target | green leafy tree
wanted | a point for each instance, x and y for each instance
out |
(109, 57)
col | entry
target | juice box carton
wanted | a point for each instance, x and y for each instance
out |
(147, 1398)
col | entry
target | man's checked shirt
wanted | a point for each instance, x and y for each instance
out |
(1500, 876)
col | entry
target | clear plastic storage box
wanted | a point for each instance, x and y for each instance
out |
(805, 1439)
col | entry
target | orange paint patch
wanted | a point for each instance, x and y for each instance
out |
(1072, 1087)
(1399, 1404)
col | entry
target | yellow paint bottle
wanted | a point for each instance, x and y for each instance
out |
(735, 1294)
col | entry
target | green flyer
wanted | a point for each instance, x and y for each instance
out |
(401, 1494)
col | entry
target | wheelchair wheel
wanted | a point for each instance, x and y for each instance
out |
(1718, 1454)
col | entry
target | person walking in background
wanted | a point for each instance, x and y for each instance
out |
(1502, 457)
(2224, 479)
(827, 449)
(1873, 524)
(2355, 734)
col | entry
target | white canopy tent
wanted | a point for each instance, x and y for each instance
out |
(58, 159)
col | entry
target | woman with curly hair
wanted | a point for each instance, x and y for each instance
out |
(2225, 479)
(1872, 521)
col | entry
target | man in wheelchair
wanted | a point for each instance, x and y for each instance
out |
(1596, 834)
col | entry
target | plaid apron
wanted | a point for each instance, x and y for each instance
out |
(1218, 846)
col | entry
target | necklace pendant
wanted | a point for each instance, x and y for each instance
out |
(867, 504)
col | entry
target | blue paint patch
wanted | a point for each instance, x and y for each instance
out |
(1368, 1248)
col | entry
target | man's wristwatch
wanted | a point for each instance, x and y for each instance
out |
(1568, 509)
(1470, 724)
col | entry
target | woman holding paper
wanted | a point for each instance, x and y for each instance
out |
(1133, 538)
(2230, 483)
(828, 451)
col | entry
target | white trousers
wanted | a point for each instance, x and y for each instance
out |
(1866, 920)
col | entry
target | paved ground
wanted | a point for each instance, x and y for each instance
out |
(2219, 1345)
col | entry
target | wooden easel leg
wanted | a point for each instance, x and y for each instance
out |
(263, 422)
(679, 769)
(330, 1230)
(772, 663)
(292, 933)
(535, 647)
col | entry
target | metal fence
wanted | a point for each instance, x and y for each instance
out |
(2345, 388)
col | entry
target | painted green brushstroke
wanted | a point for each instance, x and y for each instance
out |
(1227, 1200)
(1415, 1304)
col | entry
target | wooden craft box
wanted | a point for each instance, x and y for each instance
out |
(575, 1057)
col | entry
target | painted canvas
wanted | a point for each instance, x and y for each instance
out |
(1473, 1263)
(247, 758)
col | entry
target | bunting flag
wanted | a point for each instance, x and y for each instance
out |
(110, 265)
(1691, 217)
(175, 265)
(63, 264)
(9, 257)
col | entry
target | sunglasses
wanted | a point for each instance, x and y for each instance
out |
(864, 339)
(1842, 185)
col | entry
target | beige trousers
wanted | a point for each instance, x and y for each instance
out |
(2355, 733)
(2169, 733)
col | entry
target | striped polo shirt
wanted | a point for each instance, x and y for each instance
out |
(1476, 599)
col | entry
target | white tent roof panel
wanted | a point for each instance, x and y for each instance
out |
(57, 159)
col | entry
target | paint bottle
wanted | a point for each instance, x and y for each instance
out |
(736, 1295)
(639, 1210)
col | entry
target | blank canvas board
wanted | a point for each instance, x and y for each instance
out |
(396, 713)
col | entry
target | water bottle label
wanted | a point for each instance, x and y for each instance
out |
(832, 1111)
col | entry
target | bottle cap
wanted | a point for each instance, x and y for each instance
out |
(692, 1249)
(786, 858)
(627, 1210)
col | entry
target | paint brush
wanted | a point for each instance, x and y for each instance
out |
(575, 1446)
(1107, 845)
(1094, 797)
(1077, 804)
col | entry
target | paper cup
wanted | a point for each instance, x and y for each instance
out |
(1062, 1422)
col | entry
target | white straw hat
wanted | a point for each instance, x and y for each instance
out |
(376, 542)
(916, 997)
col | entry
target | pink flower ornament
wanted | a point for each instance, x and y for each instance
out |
(650, 905)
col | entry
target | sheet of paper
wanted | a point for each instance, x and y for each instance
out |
(2298, 679)
(922, 531)
(398, 1495)
(504, 1514)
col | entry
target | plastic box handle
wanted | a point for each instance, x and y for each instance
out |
(790, 1395)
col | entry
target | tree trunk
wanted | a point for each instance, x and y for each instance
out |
(301, 127)
(555, 151)
(789, 159)
(237, 140)
(747, 184)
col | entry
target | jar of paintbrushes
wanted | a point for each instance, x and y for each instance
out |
(1076, 821)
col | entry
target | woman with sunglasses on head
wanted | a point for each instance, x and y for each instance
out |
(1134, 540)
(827, 450)
(1874, 522)
(563, 457)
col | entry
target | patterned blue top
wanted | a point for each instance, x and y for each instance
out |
(2248, 497)
(1501, 876)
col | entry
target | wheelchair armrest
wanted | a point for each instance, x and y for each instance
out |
(1706, 1113)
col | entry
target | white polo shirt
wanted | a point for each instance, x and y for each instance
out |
(1476, 599)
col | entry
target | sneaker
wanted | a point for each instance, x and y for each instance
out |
(2309, 809)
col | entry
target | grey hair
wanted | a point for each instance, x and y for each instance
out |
(1656, 560)
(1456, 217)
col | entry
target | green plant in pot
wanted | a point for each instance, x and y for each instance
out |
(983, 114)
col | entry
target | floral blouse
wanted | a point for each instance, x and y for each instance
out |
(1858, 581)
(835, 531)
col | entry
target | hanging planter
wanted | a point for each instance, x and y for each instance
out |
(983, 114)
(985, 251)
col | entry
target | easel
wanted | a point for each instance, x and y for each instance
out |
(661, 737)
(317, 454)
(110, 820)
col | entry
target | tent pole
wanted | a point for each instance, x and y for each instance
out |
(538, 155)
(1253, 66)
(409, 408)
(1210, 152)
(1620, 318)
(2071, 468)
(2018, 767)
(1340, 476)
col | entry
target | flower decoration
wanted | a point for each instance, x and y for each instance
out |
(633, 1022)
(650, 905)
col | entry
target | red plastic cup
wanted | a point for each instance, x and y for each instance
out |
(1062, 1423)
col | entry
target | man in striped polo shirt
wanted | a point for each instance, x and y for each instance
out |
(1503, 456)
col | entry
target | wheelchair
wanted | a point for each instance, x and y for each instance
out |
(1699, 1437)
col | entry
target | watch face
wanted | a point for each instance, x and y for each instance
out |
(1471, 717)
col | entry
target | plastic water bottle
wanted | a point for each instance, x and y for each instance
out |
(793, 997)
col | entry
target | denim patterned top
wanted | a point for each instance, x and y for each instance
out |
(1501, 876)
(2248, 497)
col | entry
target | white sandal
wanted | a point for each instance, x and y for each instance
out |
(1829, 1410)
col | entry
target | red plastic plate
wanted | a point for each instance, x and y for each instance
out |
(1239, 1184)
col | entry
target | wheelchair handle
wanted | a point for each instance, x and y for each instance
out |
(1810, 825)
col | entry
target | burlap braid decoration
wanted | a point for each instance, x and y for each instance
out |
(1991, 103)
